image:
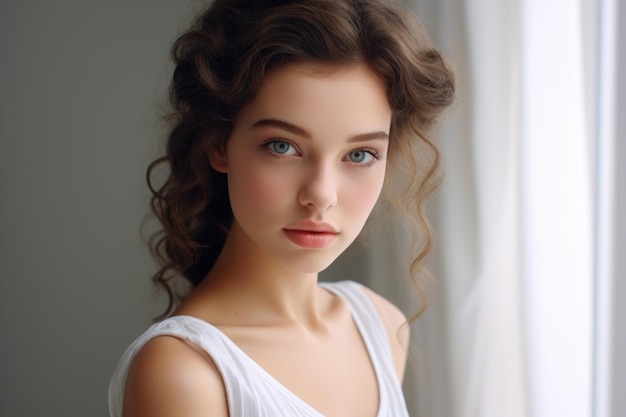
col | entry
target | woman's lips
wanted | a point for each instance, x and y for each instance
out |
(310, 239)
(310, 234)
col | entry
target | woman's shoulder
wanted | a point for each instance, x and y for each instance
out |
(390, 314)
(169, 376)
(397, 328)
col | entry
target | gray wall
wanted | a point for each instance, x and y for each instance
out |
(80, 83)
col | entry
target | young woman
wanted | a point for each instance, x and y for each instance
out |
(288, 118)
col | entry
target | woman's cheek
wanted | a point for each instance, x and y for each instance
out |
(261, 186)
(364, 188)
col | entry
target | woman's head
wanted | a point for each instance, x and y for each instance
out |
(222, 63)
(305, 165)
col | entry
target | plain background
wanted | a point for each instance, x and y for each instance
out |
(82, 85)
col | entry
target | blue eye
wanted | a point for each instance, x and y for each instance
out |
(281, 147)
(360, 156)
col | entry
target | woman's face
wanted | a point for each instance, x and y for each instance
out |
(306, 163)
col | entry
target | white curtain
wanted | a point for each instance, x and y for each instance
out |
(610, 251)
(523, 320)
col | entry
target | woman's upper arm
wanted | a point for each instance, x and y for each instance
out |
(397, 330)
(171, 378)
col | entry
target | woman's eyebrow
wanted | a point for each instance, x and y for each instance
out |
(297, 130)
(364, 137)
(281, 124)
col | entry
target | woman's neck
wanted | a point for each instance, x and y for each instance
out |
(246, 286)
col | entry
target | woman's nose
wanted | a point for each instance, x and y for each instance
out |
(319, 187)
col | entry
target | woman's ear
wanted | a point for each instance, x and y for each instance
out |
(217, 159)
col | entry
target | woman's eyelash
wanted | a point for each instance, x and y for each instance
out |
(363, 157)
(278, 148)
(374, 152)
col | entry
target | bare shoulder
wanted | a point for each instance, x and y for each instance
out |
(170, 377)
(397, 329)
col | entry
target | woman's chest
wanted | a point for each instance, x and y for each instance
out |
(331, 373)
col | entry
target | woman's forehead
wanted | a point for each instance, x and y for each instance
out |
(309, 95)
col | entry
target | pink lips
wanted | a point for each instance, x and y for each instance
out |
(311, 235)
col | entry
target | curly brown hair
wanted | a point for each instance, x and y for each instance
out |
(220, 64)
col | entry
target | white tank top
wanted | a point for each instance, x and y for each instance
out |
(251, 391)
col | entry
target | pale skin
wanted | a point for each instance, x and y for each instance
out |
(310, 148)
